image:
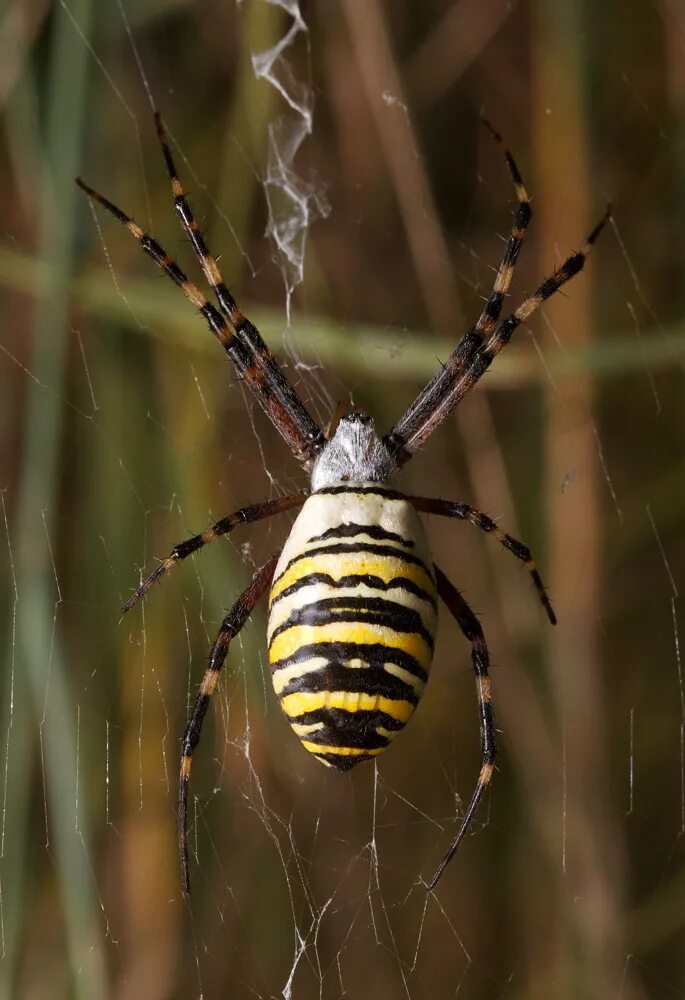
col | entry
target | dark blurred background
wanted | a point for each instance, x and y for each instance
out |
(123, 430)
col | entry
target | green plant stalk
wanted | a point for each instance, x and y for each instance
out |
(153, 311)
(40, 661)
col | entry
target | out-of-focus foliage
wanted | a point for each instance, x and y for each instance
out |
(123, 430)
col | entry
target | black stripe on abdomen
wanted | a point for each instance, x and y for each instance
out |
(349, 729)
(370, 610)
(351, 530)
(374, 489)
(375, 654)
(357, 580)
(336, 676)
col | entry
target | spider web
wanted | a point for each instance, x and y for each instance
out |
(305, 883)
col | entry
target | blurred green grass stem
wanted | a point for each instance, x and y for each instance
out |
(149, 308)
(40, 666)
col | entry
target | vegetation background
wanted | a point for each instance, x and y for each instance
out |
(123, 430)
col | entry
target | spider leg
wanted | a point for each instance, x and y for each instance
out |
(246, 331)
(463, 511)
(470, 361)
(505, 272)
(503, 333)
(471, 628)
(457, 363)
(246, 515)
(230, 626)
(197, 239)
(274, 397)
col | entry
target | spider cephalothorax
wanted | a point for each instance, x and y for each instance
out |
(355, 451)
(353, 592)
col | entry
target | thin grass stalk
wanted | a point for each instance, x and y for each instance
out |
(41, 660)
(18, 743)
(353, 346)
(387, 101)
(590, 957)
(254, 103)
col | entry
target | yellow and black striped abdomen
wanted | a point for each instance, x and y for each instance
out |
(352, 618)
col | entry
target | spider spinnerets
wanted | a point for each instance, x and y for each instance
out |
(353, 592)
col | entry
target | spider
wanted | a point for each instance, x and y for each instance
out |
(353, 592)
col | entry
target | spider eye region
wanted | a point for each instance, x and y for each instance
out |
(357, 417)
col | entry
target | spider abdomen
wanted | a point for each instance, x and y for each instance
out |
(352, 617)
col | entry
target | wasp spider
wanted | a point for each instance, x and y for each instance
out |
(353, 592)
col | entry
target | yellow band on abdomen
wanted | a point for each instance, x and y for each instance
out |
(302, 702)
(338, 565)
(341, 751)
(298, 636)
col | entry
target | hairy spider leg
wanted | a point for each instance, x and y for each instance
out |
(463, 511)
(246, 515)
(442, 394)
(470, 626)
(230, 626)
(266, 392)
(311, 438)
(460, 358)
(502, 335)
